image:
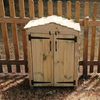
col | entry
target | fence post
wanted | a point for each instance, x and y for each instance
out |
(68, 10)
(50, 8)
(85, 46)
(59, 8)
(94, 17)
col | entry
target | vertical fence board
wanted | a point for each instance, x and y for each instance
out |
(22, 15)
(14, 29)
(68, 9)
(40, 8)
(50, 8)
(31, 9)
(77, 14)
(99, 55)
(59, 8)
(85, 44)
(4, 31)
(93, 35)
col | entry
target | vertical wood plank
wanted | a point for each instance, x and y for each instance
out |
(68, 9)
(85, 44)
(40, 8)
(14, 29)
(85, 47)
(31, 9)
(99, 55)
(59, 8)
(94, 16)
(22, 15)
(50, 8)
(4, 31)
(77, 14)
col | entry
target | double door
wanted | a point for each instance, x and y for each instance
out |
(52, 59)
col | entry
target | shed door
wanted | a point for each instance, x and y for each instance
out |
(42, 53)
(64, 60)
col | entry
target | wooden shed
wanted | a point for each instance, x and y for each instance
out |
(53, 51)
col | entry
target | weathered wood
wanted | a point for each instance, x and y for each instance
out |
(90, 63)
(14, 29)
(59, 8)
(62, 61)
(50, 8)
(93, 35)
(85, 44)
(40, 8)
(77, 14)
(22, 15)
(68, 9)
(31, 9)
(99, 55)
(4, 31)
(41, 53)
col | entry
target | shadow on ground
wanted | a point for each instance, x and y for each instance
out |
(16, 87)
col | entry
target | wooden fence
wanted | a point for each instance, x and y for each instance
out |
(86, 22)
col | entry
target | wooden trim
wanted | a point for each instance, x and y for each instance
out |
(90, 63)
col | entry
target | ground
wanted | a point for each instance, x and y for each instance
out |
(16, 87)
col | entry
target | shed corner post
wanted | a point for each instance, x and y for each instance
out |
(85, 46)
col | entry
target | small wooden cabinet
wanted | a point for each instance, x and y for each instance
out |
(52, 55)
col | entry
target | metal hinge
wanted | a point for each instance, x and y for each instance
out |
(74, 82)
(32, 82)
(71, 39)
(29, 37)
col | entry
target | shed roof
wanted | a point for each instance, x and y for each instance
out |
(53, 19)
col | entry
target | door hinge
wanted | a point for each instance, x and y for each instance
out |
(29, 37)
(75, 39)
(32, 82)
(74, 82)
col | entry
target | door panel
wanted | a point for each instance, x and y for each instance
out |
(63, 60)
(42, 53)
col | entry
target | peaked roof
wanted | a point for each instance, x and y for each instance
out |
(53, 19)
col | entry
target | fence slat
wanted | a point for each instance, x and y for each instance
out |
(85, 44)
(99, 55)
(68, 9)
(50, 8)
(31, 8)
(40, 8)
(14, 29)
(59, 8)
(93, 35)
(77, 14)
(22, 15)
(4, 31)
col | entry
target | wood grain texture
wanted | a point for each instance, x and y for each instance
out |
(85, 47)
(22, 15)
(85, 44)
(31, 9)
(14, 29)
(62, 61)
(40, 8)
(50, 8)
(68, 9)
(4, 31)
(94, 16)
(77, 14)
(59, 8)
(42, 60)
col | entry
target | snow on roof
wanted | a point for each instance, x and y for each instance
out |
(53, 19)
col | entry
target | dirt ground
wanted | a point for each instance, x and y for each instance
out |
(16, 87)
